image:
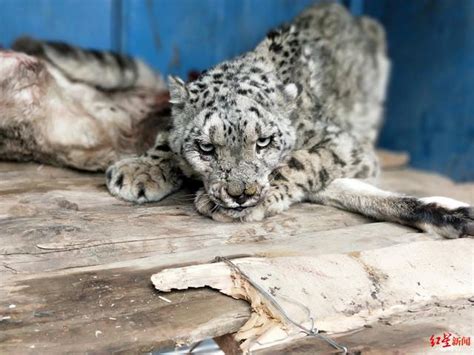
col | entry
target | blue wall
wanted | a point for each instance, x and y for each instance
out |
(430, 111)
(177, 36)
(84, 22)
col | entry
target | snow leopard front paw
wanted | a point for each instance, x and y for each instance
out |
(143, 179)
(205, 206)
(274, 203)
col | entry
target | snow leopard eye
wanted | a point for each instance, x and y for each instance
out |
(206, 148)
(264, 142)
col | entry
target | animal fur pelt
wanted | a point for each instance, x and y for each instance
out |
(85, 109)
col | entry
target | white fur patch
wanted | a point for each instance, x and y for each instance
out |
(445, 202)
(358, 187)
(291, 90)
(307, 51)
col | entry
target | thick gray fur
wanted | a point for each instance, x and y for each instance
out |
(294, 120)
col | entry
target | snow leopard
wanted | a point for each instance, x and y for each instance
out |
(294, 120)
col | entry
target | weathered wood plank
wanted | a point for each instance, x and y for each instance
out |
(110, 311)
(73, 296)
(71, 238)
(63, 219)
(348, 239)
(341, 291)
(406, 333)
(57, 219)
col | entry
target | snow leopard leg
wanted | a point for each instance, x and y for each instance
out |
(148, 178)
(330, 172)
(444, 216)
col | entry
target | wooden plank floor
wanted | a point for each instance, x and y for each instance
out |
(75, 263)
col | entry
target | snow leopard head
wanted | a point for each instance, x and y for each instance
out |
(233, 127)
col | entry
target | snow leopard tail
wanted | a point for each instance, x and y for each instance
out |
(104, 70)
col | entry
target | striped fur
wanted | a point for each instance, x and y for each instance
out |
(105, 70)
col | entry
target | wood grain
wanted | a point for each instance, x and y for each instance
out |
(108, 312)
(402, 334)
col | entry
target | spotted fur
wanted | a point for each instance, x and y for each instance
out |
(293, 120)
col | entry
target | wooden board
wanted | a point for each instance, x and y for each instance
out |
(333, 292)
(115, 311)
(395, 335)
(68, 251)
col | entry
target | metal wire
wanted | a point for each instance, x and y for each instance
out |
(313, 331)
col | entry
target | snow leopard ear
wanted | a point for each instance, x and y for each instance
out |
(291, 91)
(178, 91)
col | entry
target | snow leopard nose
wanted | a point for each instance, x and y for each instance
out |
(239, 192)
